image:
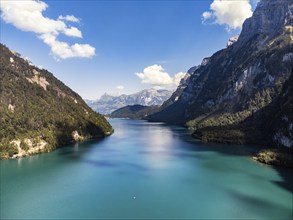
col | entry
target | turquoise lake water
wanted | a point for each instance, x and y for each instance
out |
(144, 170)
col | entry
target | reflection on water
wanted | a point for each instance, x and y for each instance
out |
(170, 175)
(75, 147)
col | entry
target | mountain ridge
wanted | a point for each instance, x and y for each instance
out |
(134, 112)
(39, 112)
(239, 81)
(147, 97)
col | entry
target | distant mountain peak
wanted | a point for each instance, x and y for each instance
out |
(147, 97)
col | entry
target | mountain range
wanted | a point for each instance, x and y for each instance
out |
(148, 97)
(243, 93)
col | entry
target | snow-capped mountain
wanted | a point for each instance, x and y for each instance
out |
(148, 97)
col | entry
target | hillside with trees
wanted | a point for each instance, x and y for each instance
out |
(38, 112)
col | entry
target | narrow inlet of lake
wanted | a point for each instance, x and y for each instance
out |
(144, 170)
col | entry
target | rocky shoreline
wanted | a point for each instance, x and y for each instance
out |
(275, 157)
(272, 156)
(31, 148)
(44, 147)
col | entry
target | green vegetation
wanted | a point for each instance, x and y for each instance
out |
(243, 95)
(276, 157)
(260, 127)
(35, 105)
(226, 136)
(24, 146)
(8, 149)
(134, 112)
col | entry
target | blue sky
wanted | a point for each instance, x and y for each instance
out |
(127, 37)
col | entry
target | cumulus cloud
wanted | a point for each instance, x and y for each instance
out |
(177, 78)
(155, 75)
(120, 87)
(231, 13)
(70, 18)
(206, 15)
(28, 16)
(73, 32)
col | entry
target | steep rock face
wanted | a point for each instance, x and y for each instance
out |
(242, 79)
(148, 97)
(280, 117)
(182, 85)
(172, 110)
(270, 19)
(38, 112)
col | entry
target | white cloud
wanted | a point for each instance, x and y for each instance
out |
(73, 32)
(71, 18)
(63, 50)
(27, 16)
(231, 13)
(155, 75)
(177, 78)
(206, 15)
(254, 3)
(120, 87)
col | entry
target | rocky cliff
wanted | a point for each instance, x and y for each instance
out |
(241, 82)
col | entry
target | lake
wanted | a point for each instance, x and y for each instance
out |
(145, 170)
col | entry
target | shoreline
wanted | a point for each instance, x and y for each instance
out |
(274, 157)
(41, 147)
(270, 156)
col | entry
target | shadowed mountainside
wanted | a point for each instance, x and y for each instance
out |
(242, 94)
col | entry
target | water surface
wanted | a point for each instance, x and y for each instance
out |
(144, 170)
